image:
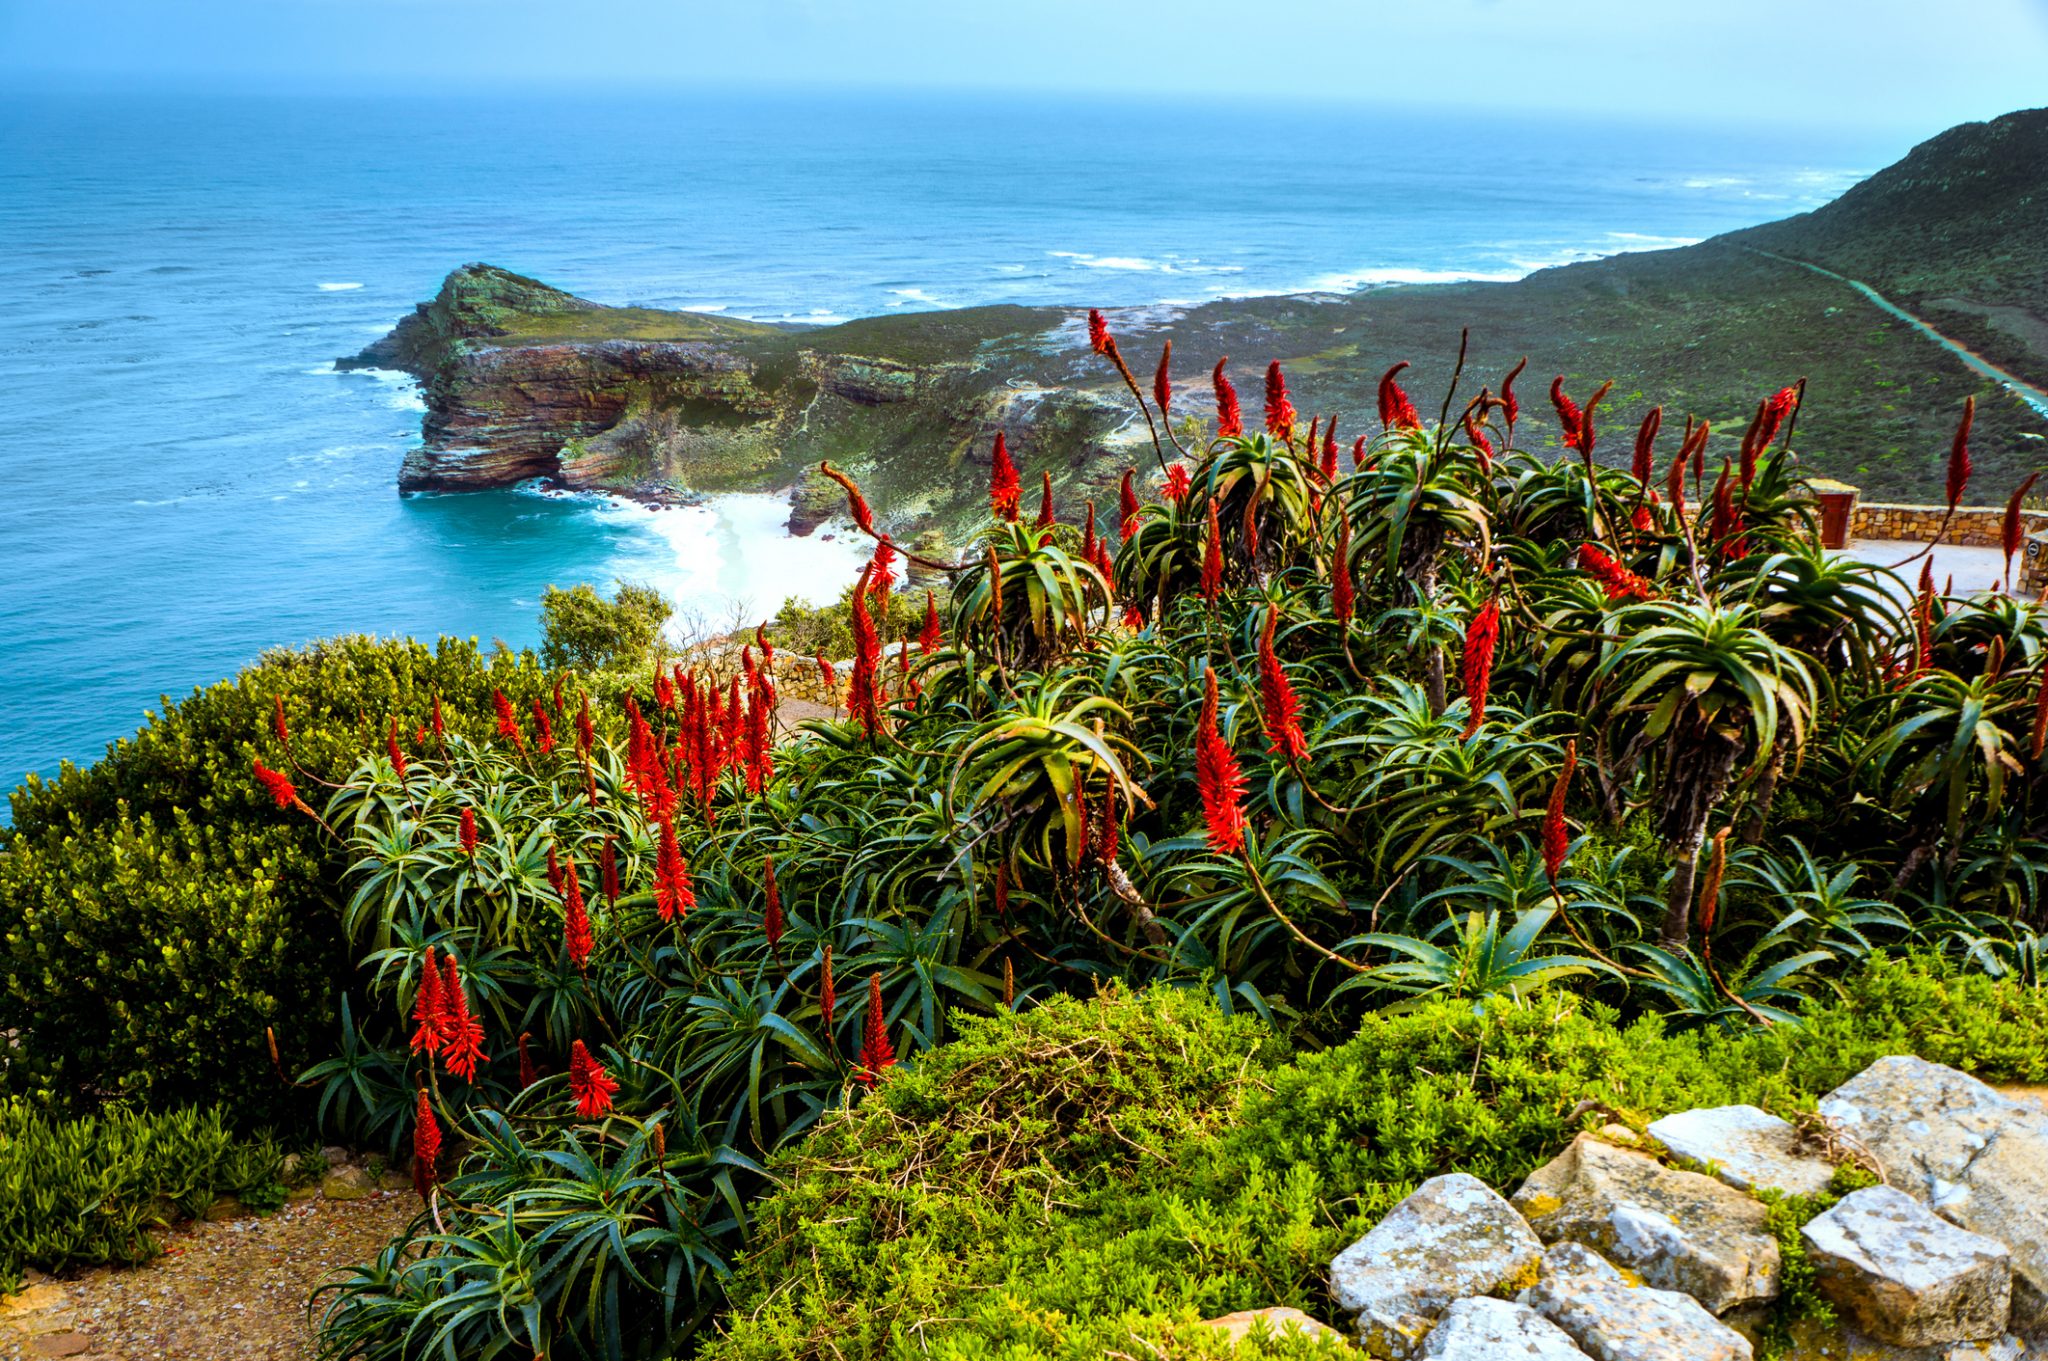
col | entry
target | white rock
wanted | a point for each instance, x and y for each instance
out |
(1452, 1238)
(1679, 1230)
(1484, 1329)
(1611, 1320)
(1749, 1149)
(1906, 1277)
(1977, 1158)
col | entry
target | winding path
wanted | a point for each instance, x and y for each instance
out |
(2033, 396)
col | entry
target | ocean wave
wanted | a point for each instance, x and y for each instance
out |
(1139, 264)
(337, 288)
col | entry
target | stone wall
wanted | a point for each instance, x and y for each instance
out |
(1979, 526)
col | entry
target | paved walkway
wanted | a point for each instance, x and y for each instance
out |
(1972, 569)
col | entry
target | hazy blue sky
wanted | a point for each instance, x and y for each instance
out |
(1879, 63)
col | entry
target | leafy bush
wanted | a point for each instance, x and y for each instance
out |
(158, 911)
(1090, 1175)
(581, 630)
(89, 1191)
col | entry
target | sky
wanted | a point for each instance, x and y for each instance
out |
(1907, 64)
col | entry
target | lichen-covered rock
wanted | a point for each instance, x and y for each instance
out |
(1748, 1148)
(1485, 1329)
(348, 1183)
(1904, 1276)
(1452, 1238)
(1679, 1230)
(1612, 1320)
(1978, 1159)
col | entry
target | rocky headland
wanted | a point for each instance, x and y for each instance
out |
(523, 380)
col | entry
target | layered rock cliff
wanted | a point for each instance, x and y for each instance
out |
(523, 380)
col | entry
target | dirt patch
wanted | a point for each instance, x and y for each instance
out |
(235, 1290)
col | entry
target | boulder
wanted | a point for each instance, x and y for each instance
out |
(1276, 1322)
(1679, 1230)
(1747, 1148)
(1486, 1329)
(1612, 1320)
(1904, 1276)
(1452, 1238)
(348, 1183)
(1978, 1159)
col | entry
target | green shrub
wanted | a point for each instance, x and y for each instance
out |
(89, 1191)
(158, 911)
(1063, 1182)
(583, 630)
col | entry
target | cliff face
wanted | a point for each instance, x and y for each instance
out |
(523, 380)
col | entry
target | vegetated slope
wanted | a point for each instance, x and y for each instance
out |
(523, 380)
(1957, 232)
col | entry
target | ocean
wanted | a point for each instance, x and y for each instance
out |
(188, 481)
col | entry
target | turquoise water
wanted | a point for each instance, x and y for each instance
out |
(188, 481)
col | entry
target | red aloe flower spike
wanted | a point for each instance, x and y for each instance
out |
(1279, 410)
(1088, 534)
(1046, 518)
(1557, 838)
(528, 1072)
(589, 1084)
(586, 728)
(2012, 531)
(1178, 484)
(558, 695)
(876, 1052)
(546, 728)
(1778, 406)
(864, 694)
(1098, 331)
(1396, 411)
(1481, 445)
(1510, 407)
(1229, 420)
(608, 870)
(419, 738)
(462, 1045)
(440, 728)
(931, 638)
(1108, 834)
(1752, 444)
(278, 785)
(426, 1146)
(884, 574)
(1645, 461)
(1003, 487)
(827, 677)
(508, 722)
(772, 924)
(1162, 380)
(1358, 453)
(1586, 420)
(856, 504)
(1480, 640)
(1002, 890)
(1343, 595)
(277, 723)
(1618, 581)
(1127, 507)
(465, 832)
(1569, 416)
(674, 894)
(1328, 466)
(1251, 527)
(1277, 701)
(1212, 559)
(1315, 435)
(827, 994)
(1218, 775)
(554, 870)
(427, 1010)
(767, 650)
(1959, 455)
(576, 937)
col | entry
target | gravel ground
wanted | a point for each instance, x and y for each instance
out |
(229, 1291)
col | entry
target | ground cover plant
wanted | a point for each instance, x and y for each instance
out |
(1317, 727)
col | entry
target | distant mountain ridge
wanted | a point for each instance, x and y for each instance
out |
(523, 380)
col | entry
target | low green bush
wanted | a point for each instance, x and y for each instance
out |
(158, 911)
(89, 1191)
(583, 630)
(1090, 1178)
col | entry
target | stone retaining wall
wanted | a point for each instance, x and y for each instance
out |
(1978, 526)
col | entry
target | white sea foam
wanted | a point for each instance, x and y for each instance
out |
(323, 371)
(338, 288)
(731, 561)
